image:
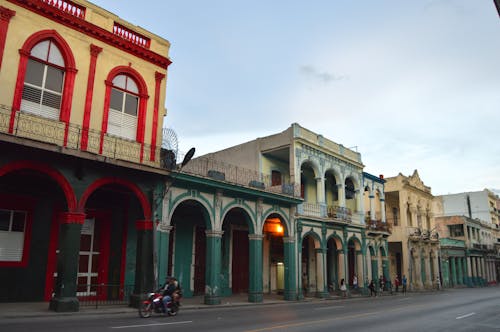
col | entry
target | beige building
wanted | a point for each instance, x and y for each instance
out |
(414, 242)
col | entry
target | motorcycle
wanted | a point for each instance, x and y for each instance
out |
(154, 304)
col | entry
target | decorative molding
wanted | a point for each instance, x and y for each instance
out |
(87, 28)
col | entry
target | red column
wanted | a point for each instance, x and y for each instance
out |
(105, 112)
(94, 52)
(158, 77)
(5, 16)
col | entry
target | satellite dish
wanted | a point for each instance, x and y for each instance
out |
(170, 148)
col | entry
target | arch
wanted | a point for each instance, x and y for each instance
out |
(247, 212)
(69, 59)
(143, 88)
(282, 218)
(336, 174)
(178, 200)
(371, 249)
(356, 241)
(146, 207)
(311, 163)
(48, 170)
(69, 79)
(383, 251)
(337, 239)
(315, 236)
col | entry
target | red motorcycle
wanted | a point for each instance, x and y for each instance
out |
(154, 304)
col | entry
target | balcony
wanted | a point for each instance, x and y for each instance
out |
(32, 129)
(377, 226)
(228, 173)
(331, 213)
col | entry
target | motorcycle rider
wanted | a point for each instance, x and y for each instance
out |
(168, 289)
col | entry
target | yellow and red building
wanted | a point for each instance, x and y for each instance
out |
(82, 96)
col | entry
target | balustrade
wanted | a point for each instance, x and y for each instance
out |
(68, 7)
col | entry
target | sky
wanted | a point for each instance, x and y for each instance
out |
(408, 84)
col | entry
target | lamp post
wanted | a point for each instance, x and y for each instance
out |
(158, 199)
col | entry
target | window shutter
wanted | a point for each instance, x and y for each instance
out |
(11, 246)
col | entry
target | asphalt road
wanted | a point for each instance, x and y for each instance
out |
(476, 309)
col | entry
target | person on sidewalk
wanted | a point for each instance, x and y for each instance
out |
(404, 282)
(371, 286)
(396, 283)
(343, 288)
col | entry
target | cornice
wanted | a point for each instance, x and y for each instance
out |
(82, 26)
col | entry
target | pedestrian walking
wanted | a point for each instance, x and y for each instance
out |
(371, 287)
(355, 282)
(404, 282)
(396, 283)
(343, 288)
(438, 283)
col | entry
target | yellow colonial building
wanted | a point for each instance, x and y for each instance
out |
(82, 96)
(414, 242)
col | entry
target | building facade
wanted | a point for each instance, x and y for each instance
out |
(81, 116)
(472, 219)
(330, 238)
(414, 242)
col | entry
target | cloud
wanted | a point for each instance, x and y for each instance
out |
(324, 77)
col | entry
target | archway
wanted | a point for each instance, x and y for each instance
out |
(354, 262)
(312, 267)
(32, 196)
(236, 253)
(187, 246)
(273, 251)
(333, 263)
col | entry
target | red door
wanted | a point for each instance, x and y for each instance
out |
(240, 261)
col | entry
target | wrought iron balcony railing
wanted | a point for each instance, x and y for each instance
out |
(37, 128)
(225, 172)
(331, 212)
(378, 226)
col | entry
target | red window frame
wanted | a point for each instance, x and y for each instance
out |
(20, 203)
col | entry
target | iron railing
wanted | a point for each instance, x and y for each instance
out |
(225, 172)
(37, 128)
(378, 226)
(332, 212)
(103, 294)
(71, 136)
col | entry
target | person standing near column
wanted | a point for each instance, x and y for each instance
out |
(404, 283)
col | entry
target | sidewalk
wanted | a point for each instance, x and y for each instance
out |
(41, 309)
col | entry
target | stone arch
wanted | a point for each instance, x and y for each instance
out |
(284, 221)
(205, 204)
(48, 170)
(143, 200)
(250, 215)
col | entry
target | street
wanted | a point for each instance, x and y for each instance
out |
(468, 309)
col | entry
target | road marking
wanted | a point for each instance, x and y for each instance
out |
(465, 316)
(153, 324)
(311, 322)
(331, 307)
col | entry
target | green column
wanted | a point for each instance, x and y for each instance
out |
(445, 272)
(255, 268)
(290, 269)
(144, 269)
(460, 279)
(163, 236)
(375, 269)
(67, 263)
(213, 267)
(453, 271)
(385, 270)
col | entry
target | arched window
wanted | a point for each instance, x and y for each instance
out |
(123, 107)
(44, 81)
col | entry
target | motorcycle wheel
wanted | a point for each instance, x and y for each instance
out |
(173, 310)
(146, 310)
